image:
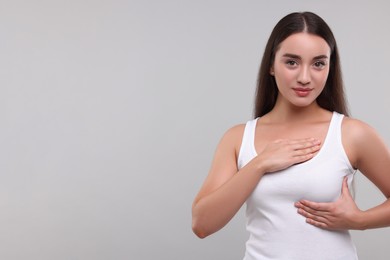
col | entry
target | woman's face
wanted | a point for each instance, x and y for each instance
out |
(300, 68)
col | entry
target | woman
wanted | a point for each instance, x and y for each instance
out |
(293, 164)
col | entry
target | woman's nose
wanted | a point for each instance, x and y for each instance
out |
(304, 76)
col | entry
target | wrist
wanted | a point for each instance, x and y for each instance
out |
(360, 220)
(258, 166)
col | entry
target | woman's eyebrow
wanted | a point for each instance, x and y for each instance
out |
(319, 57)
(294, 56)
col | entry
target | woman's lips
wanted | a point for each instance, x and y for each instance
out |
(302, 92)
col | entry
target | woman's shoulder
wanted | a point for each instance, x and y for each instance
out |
(235, 132)
(358, 138)
(238, 130)
(358, 135)
(356, 128)
(367, 149)
(233, 137)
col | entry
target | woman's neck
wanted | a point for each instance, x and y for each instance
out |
(283, 113)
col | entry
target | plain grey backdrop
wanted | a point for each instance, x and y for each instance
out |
(111, 111)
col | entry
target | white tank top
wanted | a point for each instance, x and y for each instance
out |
(276, 230)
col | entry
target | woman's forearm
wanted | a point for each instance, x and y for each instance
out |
(376, 217)
(212, 212)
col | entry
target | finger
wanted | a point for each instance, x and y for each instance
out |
(296, 143)
(314, 220)
(312, 207)
(315, 217)
(301, 158)
(344, 187)
(317, 223)
(304, 143)
(307, 150)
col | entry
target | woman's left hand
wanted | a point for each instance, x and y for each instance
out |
(341, 214)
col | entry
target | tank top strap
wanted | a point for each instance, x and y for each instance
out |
(247, 151)
(334, 143)
(337, 124)
(333, 136)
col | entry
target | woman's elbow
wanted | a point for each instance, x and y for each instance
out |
(198, 230)
(200, 223)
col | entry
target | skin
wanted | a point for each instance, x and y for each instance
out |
(292, 133)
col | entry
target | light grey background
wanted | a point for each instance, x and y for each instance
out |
(111, 110)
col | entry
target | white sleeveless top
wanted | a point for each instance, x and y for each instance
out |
(276, 230)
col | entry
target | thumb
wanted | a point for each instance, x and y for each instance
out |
(344, 187)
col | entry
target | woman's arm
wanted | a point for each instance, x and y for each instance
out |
(226, 189)
(220, 198)
(368, 153)
(373, 160)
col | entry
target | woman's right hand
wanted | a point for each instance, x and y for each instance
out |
(283, 153)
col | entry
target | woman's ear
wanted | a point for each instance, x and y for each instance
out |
(271, 71)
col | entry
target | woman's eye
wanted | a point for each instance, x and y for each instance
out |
(291, 63)
(319, 64)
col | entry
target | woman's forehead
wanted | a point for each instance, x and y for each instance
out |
(304, 44)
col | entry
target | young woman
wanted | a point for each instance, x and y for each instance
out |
(293, 164)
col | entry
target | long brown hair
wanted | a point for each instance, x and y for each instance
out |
(332, 98)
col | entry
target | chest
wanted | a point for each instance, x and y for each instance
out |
(266, 133)
(319, 179)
